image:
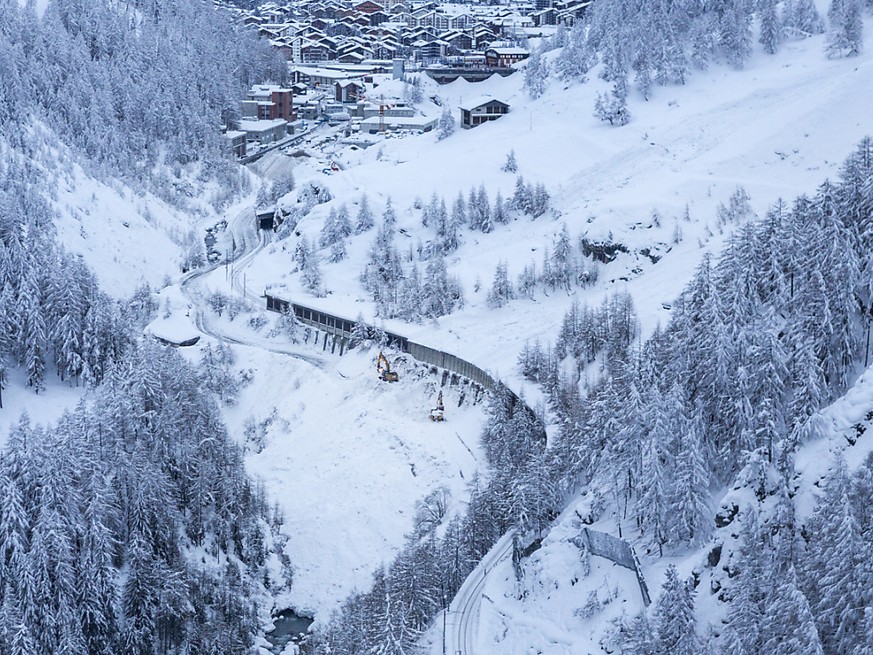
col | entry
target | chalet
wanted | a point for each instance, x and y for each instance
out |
(274, 29)
(354, 56)
(576, 7)
(299, 88)
(323, 14)
(418, 34)
(348, 90)
(483, 36)
(544, 17)
(329, 42)
(459, 41)
(481, 110)
(390, 108)
(459, 22)
(368, 7)
(384, 50)
(343, 28)
(502, 57)
(420, 18)
(284, 48)
(429, 50)
(314, 52)
(314, 35)
(378, 17)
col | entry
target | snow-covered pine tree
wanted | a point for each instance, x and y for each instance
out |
(562, 269)
(330, 231)
(612, 107)
(743, 630)
(845, 31)
(361, 332)
(788, 625)
(771, 26)
(302, 253)
(577, 57)
(637, 637)
(735, 33)
(389, 218)
(801, 19)
(409, 297)
(450, 239)
(652, 501)
(310, 275)
(446, 125)
(689, 516)
(522, 198)
(501, 291)
(459, 211)
(836, 570)
(500, 215)
(364, 220)
(528, 281)
(510, 165)
(337, 251)
(483, 209)
(33, 340)
(343, 222)
(674, 620)
(536, 74)
(540, 200)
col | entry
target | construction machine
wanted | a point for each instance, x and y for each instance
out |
(384, 368)
(437, 414)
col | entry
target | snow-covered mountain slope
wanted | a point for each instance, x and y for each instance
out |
(778, 128)
(347, 457)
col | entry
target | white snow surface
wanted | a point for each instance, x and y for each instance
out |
(341, 448)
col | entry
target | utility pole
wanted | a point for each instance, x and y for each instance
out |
(445, 611)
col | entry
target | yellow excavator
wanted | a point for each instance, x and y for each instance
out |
(384, 368)
(437, 414)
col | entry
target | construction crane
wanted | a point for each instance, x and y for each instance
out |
(437, 414)
(384, 368)
(382, 107)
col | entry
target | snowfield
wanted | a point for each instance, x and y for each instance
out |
(346, 456)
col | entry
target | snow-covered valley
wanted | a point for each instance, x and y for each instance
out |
(350, 460)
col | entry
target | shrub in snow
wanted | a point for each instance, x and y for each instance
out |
(510, 165)
(612, 107)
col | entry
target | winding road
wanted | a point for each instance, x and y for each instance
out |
(464, 608)
(248, 242)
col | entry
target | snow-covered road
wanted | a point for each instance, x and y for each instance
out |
(248, 242)
(464, 609)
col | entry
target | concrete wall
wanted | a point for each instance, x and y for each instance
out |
(340, 329)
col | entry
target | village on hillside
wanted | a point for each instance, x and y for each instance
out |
(338, 53)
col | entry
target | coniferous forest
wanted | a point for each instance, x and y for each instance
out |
(762, 338)
(131, 525)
